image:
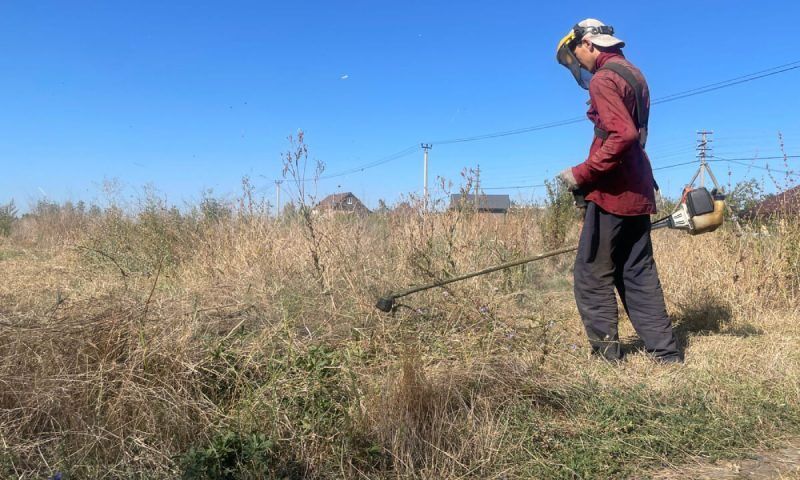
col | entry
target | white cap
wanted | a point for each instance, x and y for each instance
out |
(599, 39)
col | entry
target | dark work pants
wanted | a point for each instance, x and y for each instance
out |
(616, 251)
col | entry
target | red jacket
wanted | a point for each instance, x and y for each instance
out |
(617, 173)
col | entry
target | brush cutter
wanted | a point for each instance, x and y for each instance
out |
(699, 211)
(386, 303)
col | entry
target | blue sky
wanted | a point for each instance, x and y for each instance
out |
(188, 96)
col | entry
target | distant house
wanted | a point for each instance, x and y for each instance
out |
(341, 202)
(787, 202)
(481, 203)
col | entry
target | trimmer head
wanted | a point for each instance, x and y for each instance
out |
(385, 304)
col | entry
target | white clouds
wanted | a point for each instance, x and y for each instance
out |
(344, 77)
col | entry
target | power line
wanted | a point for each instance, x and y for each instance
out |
(715, 158)
(512, 187)
(769, 169)
(750, 152)
(671, 155)
(675, 165)
(723, 86)
(669, 98)
(777, 157)
(738, 161)
(728, 83)
(741, 161)
(516, 131)
(395, 156)
(544, 126)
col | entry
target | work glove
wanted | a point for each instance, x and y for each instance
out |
(569, 179)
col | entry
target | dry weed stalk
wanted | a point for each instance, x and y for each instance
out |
(215, 349)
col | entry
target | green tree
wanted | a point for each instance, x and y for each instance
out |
(8, 216)
(745, 195)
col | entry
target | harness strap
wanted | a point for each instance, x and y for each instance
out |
(641, 108)
(600, 133)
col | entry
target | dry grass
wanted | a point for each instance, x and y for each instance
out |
(159, 345)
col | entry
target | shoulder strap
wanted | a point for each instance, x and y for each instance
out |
(642, 111)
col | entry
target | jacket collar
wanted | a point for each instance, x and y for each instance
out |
(605, 56)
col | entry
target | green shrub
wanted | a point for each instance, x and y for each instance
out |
(559, 215)
(8, 215)
(138, 243)
(233, 455)
(214, 210)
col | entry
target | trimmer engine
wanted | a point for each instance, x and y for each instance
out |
(699, 211)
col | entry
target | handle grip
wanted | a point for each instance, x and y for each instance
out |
(579, 196)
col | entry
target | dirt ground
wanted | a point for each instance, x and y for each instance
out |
(778, 464)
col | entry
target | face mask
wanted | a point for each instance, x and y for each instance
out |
(567, 58)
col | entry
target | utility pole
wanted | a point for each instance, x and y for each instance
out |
(278, 198)
(426, 147)
(703, 152)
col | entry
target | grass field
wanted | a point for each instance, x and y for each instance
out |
(221, 343)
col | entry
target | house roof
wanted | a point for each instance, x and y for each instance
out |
(339, 201)
(784, 202)
(484, 202)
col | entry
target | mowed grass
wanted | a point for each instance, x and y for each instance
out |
(225, 344)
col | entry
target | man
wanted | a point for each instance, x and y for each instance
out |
(615, 248)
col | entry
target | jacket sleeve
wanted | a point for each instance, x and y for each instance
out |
(622, 132)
